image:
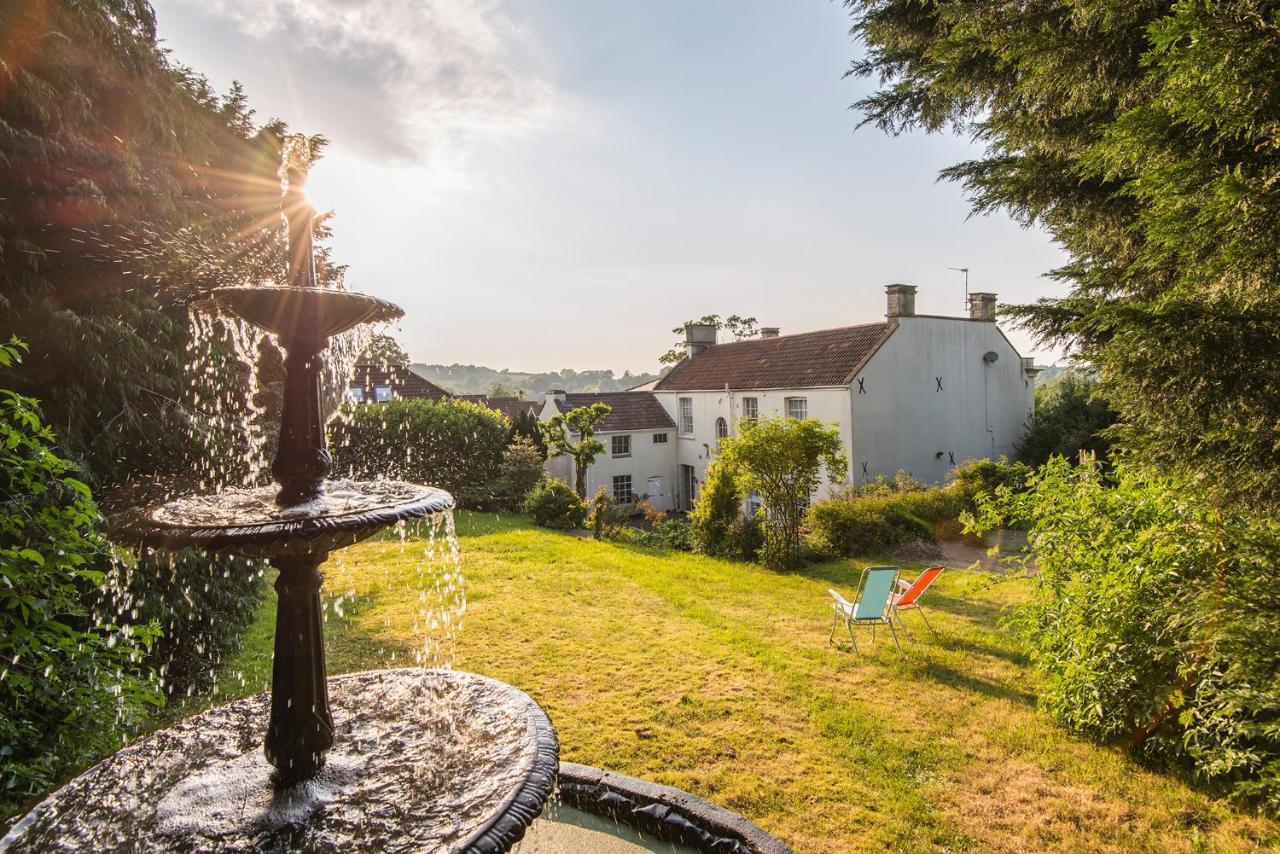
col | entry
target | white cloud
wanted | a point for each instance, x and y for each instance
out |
(402, 77)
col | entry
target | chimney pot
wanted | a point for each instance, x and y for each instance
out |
(769, 331)
(982, 306)
(698, 337)
(902, 300)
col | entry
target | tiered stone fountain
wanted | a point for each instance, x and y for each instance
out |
(418, 759)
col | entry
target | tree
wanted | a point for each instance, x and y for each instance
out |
(1145, 138)
(783, 460)
(520, 471)
(129, 188)
(739, 327)
(1071, 416)
(384, 350)
(582, 422)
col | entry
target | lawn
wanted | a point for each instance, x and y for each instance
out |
(717, 677)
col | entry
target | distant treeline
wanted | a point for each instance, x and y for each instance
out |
(477, 379)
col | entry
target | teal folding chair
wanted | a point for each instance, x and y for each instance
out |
(873, 608)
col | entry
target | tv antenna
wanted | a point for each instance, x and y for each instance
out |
(964, 270)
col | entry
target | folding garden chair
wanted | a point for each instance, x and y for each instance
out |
(873, 607)
(908, 599)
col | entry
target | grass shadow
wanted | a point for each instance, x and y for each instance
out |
(951, 677)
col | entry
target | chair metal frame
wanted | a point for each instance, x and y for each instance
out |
(847, 611)
(905, 588)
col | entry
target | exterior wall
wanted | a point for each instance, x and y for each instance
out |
(903, 422)
(698, 448)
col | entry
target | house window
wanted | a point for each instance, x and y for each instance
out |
(754, 503)
(659, 438)
(722, 430)
(382, 393)
(750, 409)
(622, 489)
(355, 394)
(621, 446)
(797, 407)
(686, 415)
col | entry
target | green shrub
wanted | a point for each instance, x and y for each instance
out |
(1154, 618)
(553, 504)
(69, 686)
(520, 470)
(1071, 416)
(719, 506)
(455, 445)
(974, 477)
(674, 533)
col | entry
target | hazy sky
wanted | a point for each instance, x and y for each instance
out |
(557, 183)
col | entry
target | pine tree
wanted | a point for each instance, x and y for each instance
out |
(1145, 138)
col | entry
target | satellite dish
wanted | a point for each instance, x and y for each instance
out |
(990, 356)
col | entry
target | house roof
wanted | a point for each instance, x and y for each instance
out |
(512, 406)
(632, 410)
(403, 382)
(828, 357)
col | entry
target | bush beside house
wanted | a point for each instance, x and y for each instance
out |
(554, 504)
(453, 444)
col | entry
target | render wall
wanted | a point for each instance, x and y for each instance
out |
(901, 420)
(697, 449)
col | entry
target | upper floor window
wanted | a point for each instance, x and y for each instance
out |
(797, 407)
(750, 409)
(659, 438)
(382, 393)
(621, 446)
(622, 493)
(355, 394)
(722, 430)
(686, 415)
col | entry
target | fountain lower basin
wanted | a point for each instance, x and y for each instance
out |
(426, 761)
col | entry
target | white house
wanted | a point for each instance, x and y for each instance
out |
(638, 436)
(918, 393)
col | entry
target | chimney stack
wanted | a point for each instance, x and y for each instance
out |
(982, 306)
(698, 337)
(902, 300)
(769, 331)
(557, 395)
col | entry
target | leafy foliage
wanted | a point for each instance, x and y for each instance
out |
(604, 518)
(581, 422)
(453, 444)
(717, 525)
(129, 188)
(783, 460)
(520, 471)
(1154, 618)
(739, 327)
(1145, 138)
(67, 683)
(1071, 416)
(552, 504)
(383, 350)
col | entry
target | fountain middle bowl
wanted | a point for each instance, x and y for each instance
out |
(249, 522)
(289, 311)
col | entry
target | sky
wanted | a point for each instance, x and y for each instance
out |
(544, 184)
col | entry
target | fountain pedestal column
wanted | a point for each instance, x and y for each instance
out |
(301, 727)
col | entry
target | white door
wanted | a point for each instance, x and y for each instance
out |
(657, 494)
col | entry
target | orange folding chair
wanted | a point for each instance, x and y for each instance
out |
(909, 598)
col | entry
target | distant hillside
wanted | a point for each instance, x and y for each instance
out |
(1052, 372)
(477, 379)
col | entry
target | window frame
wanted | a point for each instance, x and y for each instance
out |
(752, 403)
(629, 496)
(355, 394)
(722, 429)
(625, 439)
(804, 406)
(659, 438)
(686, 417)
(378, 390)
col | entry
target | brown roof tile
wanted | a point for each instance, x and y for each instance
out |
(632, 410)
(403, 382)
(827, 357)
